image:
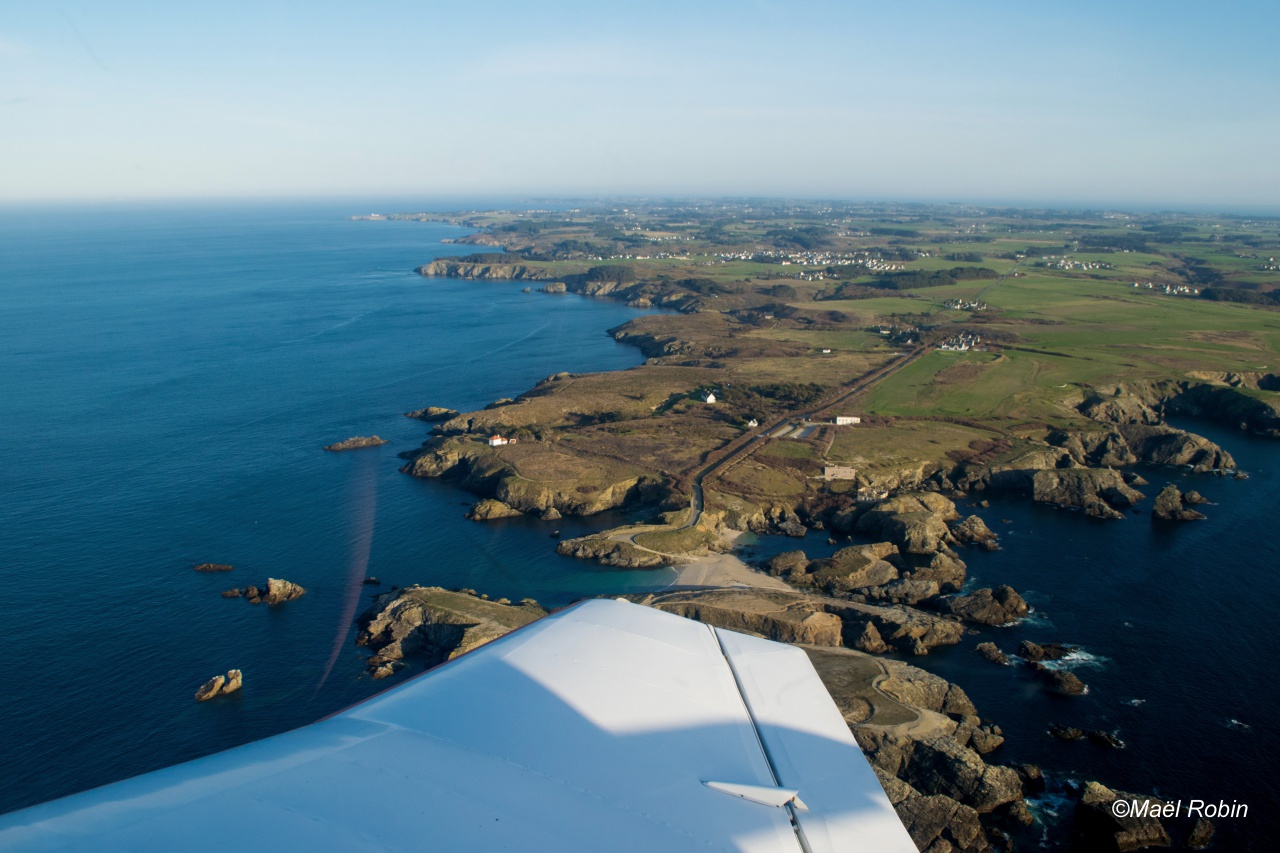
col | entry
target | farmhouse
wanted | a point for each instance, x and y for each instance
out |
(847, 420)
(498, 441)
(709, 398)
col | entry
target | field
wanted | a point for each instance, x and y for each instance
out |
(811, 299)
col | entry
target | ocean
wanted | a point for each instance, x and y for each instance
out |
(169, 375)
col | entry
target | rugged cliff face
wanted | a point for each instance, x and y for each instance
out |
(534, 479)
(435, 625)
(459, 269)
(1238, 400)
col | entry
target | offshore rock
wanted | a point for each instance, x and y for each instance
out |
(213, 567)
(220, 685)
(1031, 652)
(992, 652)
(1201, 834)
(1061, 680)
(974, 531)
(279, 591)
(432, 413)
(356, 442)
(1170, 506)
(999, 606)
(1097, 828)
(434, 624)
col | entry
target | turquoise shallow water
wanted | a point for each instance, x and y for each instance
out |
(168, 377)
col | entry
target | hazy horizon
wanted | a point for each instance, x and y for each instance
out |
(1145, 106)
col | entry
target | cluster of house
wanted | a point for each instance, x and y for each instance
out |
(961, 342)
(871, 261)
(1270, 265)
(1068, 264)
(966, 305)
(1171, 289)
(897, 334)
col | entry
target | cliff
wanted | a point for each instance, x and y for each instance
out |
(457, 269)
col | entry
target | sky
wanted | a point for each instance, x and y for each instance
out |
(1141, 103)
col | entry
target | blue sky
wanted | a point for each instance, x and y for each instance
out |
(1140, 103)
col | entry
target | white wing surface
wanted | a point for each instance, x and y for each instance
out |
(595, 729)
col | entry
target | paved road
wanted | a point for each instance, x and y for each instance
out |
(751, 441)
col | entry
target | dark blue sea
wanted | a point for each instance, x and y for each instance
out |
(168, 376)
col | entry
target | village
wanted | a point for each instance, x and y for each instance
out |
(1171, 289)
(966, 305)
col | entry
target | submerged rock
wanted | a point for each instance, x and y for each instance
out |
(220, 685)
(213, 567)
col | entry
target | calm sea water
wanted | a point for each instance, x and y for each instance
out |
(167, 378)
(167, 381)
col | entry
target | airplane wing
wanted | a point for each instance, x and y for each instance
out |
(605, 726)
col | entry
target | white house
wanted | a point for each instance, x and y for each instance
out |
(753, 423)
(847, 420)
(498, 441)
(709, 398)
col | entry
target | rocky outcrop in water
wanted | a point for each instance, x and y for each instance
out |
(1033, 652)
(356, 442)
(992, 652)
(275, 591)
(1061, 681)
(434, 625)
(220, 685)
(489, 509)
(1097, 491)
(974, 531)
(432, 413)
(612, 552)
(213, 567)
(854, 568)
(1171, 505)
(999, 606)
(917, 522)
(1098, 828)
